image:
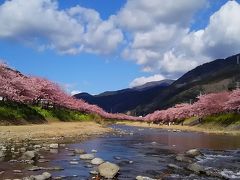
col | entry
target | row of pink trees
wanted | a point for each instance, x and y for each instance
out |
(15, 86)
(209, 104)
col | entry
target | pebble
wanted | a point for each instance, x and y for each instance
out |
(93, 172)
(17, 171)
(53, 146)
(87, 156)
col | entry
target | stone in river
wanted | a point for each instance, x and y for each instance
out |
(173, 166)
(196, 168)
(17, 171)
(182, 158)
(93, 172)
(97, 161)
(43, 176)
(53, 146)
(193, 153)
(2, 154)
(73, 162)
(30, 155)
(94, 151)
(87, 156)
(108, 170)
(144, 178)
(79, 151)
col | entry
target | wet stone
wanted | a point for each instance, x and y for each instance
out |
(182, 158)
(79, 151)
(87, 156)
(196, 168)
(73, 162)
(193, 153)
(17, 171)
(108, 170)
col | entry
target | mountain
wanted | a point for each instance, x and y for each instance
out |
(215, 76)
(126, 100)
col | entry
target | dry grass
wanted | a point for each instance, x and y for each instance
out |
(184, 128)
(54, 131)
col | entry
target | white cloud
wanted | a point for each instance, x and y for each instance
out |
(221, 37)
(41, 23)
(165, 42)
(143, 80)
(75, 92)
(157, 29)
(155, 34)
(142, 15)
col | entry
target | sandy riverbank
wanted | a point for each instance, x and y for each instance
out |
(204, 129)
(57, 131)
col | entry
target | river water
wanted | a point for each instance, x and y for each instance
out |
(146, 152)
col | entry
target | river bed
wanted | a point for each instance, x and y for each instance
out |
(140, 152)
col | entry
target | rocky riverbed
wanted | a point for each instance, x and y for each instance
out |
(127, 153)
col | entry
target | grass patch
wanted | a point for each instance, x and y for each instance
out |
(220, 121)
(17, 114)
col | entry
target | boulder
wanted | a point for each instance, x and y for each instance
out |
(97, 161)
(53, 146)
(196, 168)
(108, 170)
(193, 153)
(182, 158)
(87, 156)
(30, 155)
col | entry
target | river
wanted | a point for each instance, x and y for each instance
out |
(146, 152)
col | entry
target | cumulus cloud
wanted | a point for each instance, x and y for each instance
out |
(143, 80)
(41, 23)
(155, 34)
(221, 37)
(157, 29)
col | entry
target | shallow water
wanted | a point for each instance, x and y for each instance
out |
(146, 152)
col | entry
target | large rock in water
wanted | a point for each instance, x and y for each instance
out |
(196, 168)
(97, 161)
(108, 170)
(30, 155)
(87, 156)
(193, 153)
(182, 158)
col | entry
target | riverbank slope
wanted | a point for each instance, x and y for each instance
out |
(218, 124)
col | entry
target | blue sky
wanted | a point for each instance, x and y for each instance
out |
(131, 54)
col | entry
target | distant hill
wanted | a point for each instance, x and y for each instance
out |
(215, 76)
(126, 100)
